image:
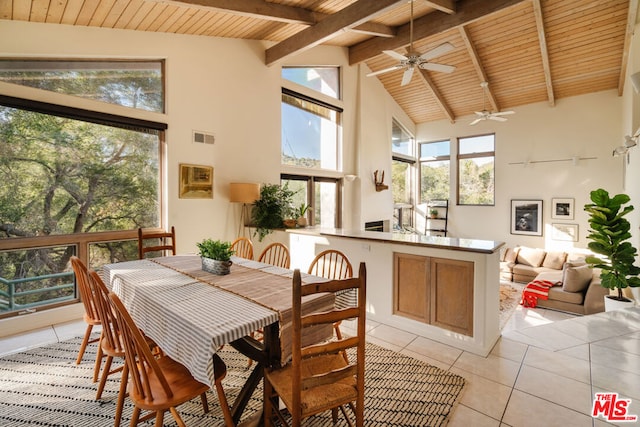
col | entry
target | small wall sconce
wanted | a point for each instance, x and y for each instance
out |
(350, 178)
(380, 185)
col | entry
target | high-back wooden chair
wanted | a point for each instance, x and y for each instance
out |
(91, 315)
(318, 378)
(111, 344)
(155, 385)
(333, 264)
(156, 241)
(242, 247)
(276, 254)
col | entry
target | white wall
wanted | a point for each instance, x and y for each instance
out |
(583, 126)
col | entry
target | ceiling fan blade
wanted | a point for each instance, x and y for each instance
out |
(437, 67)
(386, 70)
(437, 51)
(406, 77)
(476, 121)
(481, 113)
(496, 118)
(395, 55)
(503, 113)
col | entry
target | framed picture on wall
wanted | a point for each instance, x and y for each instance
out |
(562, 208)
(564, 232)
(526, 217)
(196, 182)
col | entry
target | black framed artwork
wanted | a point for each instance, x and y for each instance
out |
(526, 217)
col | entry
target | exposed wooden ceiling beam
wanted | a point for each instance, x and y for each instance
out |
(429, 25)
(260, 9)
(631, 22)
(351, 16)
(544, 52)
(446, 6)
(477, 65)
(431, 87)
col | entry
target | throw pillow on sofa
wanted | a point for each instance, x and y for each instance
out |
(511, 254)
(576, 278)
(554, 260)
(530, 256)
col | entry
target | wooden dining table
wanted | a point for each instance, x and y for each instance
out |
(191, 313)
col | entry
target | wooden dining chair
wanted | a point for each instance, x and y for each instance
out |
(155, 384)
(276, 254)
(318, 378)
(333, 264)
(242, 247)
(111, 343)
(156, 241)
(91, 315)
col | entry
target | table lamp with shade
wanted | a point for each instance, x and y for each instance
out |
(245, 193)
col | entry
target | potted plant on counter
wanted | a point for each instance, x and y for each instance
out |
(216, 256)
(609, 235)
(302, 214)
(271, 209)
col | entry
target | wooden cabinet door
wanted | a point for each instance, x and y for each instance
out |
(451, 298)
(411, 286)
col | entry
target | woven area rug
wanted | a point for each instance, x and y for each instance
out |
(509, 299)
(44, 386)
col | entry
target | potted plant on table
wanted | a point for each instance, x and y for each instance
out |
(216, 256)
(609, 235)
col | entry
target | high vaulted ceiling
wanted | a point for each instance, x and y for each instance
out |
(527, 50)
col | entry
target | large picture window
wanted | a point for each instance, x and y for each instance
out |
(402, 176)
(435, 169)
(322, 196)
(476, 170)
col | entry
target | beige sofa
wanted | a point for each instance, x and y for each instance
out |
(578, 287)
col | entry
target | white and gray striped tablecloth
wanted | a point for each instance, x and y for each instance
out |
(188, 319)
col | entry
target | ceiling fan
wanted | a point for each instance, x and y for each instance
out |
(412, 60)
(486, 114)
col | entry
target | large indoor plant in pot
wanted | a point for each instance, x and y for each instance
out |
(271, 209)
(609, 235)
(216, 256)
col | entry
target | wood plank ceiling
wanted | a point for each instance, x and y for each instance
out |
(527, 50)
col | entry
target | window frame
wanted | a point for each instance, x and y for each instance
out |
(422, 160)
(311, 180)
(477, 155)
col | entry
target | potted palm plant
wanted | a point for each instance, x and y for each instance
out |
(302, 214)
(216, 256)
(609, 235)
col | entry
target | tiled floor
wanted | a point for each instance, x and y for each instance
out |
(543, 372)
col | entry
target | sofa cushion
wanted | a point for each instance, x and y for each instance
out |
(554, 260)
(511, 255)
(576, 278)
(557, 294)
(530, 256)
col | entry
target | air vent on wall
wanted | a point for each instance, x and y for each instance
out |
(203, 137)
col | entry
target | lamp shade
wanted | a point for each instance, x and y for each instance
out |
(243, 192)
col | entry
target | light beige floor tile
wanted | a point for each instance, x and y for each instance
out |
(563, 391)
(559, 364)
(509, 349)
(525, 410)
(622, 360)
(593, 328)
(518, 336)
(551, 337)
(612, 379)
(383, 343)
(483, 395)
(581, 352)
(392, 335)
(21, 342)
(491, 367)
(426, 359)
(629, 343)
(435, 350)
(467, 417)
